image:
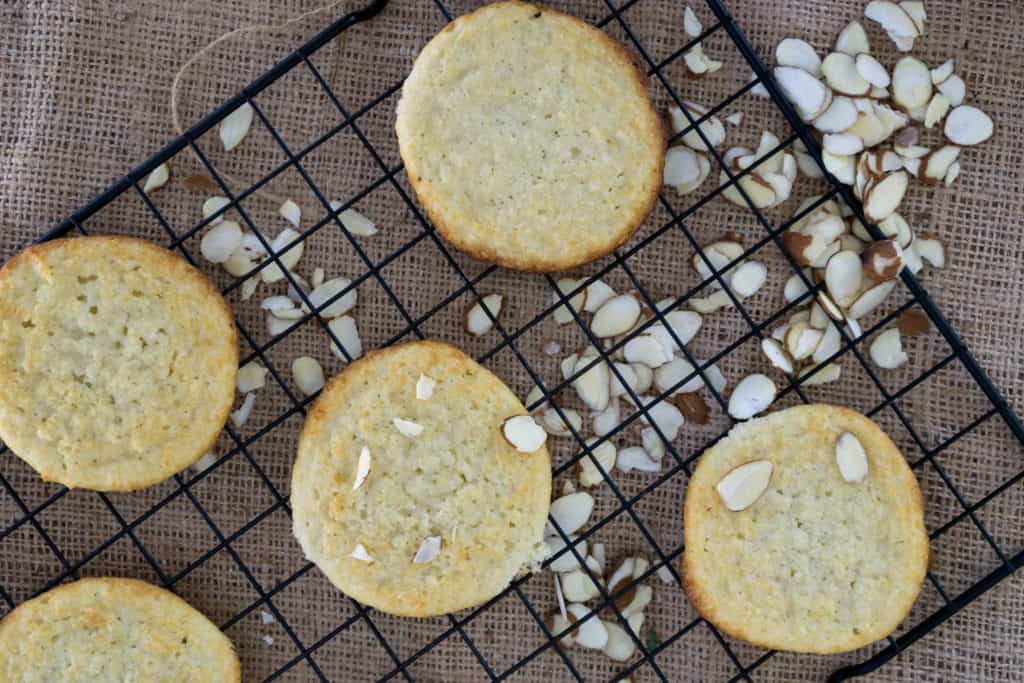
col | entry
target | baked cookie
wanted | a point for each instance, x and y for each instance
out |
(815, 563)
(529, 138)
(117, 362)
(441, 512)
(113, 630)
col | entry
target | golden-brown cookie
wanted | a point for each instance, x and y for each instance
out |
(117, 362)
(815, 564)
(109, 630)
(447, 512)
(529, 138)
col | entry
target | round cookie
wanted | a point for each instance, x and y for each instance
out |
(110, 630)
(457, 481)
(815, 564)
(117, 362)
(529, 138)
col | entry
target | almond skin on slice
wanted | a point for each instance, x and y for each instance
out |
(913, 323)
(887, 351)
(743, 485)
(752, 395)
(841, 74)
(967, 125)
(851, 458)
(885, 196)
(807, 94)
(777, 355)
(693, 407)
(882, 260)
(523, 433)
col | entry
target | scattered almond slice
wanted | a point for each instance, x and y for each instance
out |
(578, 587)
(344, 329)
(808, 166)
(675, 371)
(693, 409)
(938, 107)
(360, 553)
(808, 95)
(872, 71)
(429, 549)
(205, 462)
(617, 316)
(794, 288)
(251, 376)
(752, 395)
(842, 166)
(571, 512)
(362, 468)
(620, 647)
(887, 350)
(843, 277)
(882, 260)
(841, 74)
(557, 623)
(590, 634)
(942, 71)
(566, 561)
(895, 21)
(911, 83)
(408, 427)
(241, 416)
(220, 241)
(355, 222)
(884, 197)
(954, 89)
(712, 127)
(648, 350)
(952, 173)
(597, 294)
(911, 259)
(214, 205)
(288, 259)
(829, 308)
(748, 278)
(476, 320)
(235, 125)
(798, 53)
(851, 458)
(852, 40)
(330, 289)
(308, 375)
(915, 10)
(871, 298)
(592, 385)
(605, 454)
(829, 344)
(691, 24)
(683, 324)
(523, 433)
(801, 340)
(156, 179)
(644, 377)
(291, 212)
(967, 125)
(636, 458)
(555, 425)
(735, 119)
(424, 388)
(562, 314)
(842, 143)
(682, 166)
(777, 355)
(666, 417)
(743, 485)
(932, 249)
(936, 165)
(711, 303)
(812, 374)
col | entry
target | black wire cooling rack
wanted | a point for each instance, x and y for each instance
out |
(400, 664)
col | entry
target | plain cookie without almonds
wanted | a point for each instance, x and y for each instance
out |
(117, 362)
(457, 482)
(109, 630)
(529, 138)
(816, 564)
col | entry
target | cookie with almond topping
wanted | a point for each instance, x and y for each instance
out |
(412, 500)
(804, 531)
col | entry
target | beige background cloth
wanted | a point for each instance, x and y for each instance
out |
(84, 95)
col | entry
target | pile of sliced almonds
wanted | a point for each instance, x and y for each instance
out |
(769, 183)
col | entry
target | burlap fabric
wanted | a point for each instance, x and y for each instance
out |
(84, 92)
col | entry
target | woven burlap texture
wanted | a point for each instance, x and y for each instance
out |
(84, 90)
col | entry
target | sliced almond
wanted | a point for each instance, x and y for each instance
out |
(843, 277)
(712, 127)
(852, 40)
(896, 227)
(250, 377)
(842, 166)
(578, 586)
(360, 553)
(571, 512)
(954, 89)
(593, 384)
(562, 314)
(408, 427)
(682, 166)
(911, 83)
(759, 191)
(911, 259)
(308, 375)
(808, 166)
(851, 458)
(882, 260)
(291, 212)
(798, 53)
(885, 196)
(829, 344)
(241, 416)
(608, 419)
(841, 74)
(938, 107)
(557, 623)
(748, 278)
(808, 95)
(635, 458)
(736, 118)
(329, 290)
(935, 166)
(424, 387)
(156, 179)
(913, 166)
(648, 350)
(818, 318)
(967, 125)
(220, 241)
(915, 10)
(692, 407)
(842, 143)
(743, 485)
(524, 434)
(276, 325)
(215, 205)
(777, 355)
(617, 316)
(675, 371)
(561, 425)
(429, 549)
(752, 395)
(886, 349)
(597, 294)
(872, 70)
(591, 633)
(870, 299)
(801, 340)
(943, 71)
(794, 287)
(932, 249)
(913, 323)
(666, 417)
(235, 125)
(566, 561)
(684, 324)
(568, 365)
(869, 127)
(287, 255)
(652, 443)
(894, 20)
(952, 173)
(344, 329)
(476, 320)
(362, 468)
(712, 302)
(620, 647)
(691, 24)
(606, 455)
(814, 374)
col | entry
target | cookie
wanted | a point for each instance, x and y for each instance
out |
(529, 138)
(441, 512)
(815, 563)
(112, 630)
(117, 362)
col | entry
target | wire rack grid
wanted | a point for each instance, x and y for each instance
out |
(302, 655)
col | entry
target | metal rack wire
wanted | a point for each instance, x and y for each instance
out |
(510, 342)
